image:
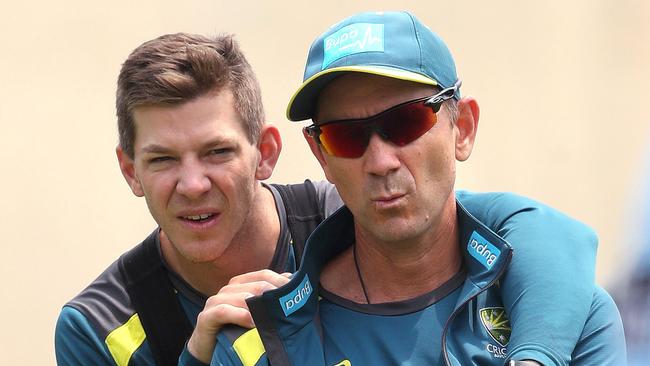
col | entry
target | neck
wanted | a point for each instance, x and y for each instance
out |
(398, 271)
(250, 250)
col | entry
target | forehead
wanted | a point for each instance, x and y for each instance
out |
(207, 117)
(359, 95)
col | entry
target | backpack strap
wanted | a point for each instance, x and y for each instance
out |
(303, 212)
(154, 298)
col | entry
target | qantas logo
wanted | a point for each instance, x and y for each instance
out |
(352, 39)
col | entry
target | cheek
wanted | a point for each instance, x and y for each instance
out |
(157, 186)
(333, 168)
(347, 177)
(236, 180)
(434, 165)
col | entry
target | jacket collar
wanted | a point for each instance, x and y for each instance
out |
(288, 308)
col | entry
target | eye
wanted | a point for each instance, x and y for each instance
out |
(220, 151)
(160, 159)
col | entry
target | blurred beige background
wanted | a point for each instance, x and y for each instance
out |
(563, 87)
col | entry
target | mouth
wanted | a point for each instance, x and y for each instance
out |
(389, 201)
(198, 218)
(388, 197)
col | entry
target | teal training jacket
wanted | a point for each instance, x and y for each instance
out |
(294, 329)
(100, 327)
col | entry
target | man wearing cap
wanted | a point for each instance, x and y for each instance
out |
(404, 274)
(194, 143)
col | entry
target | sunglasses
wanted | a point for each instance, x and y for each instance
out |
(400, 124)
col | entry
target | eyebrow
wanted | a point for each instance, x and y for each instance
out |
(155, 149)
(159, 149)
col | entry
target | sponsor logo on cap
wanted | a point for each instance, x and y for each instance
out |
(351, 39)
(482, 250)
(297, 298)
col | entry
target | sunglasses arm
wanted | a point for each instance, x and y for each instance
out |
(444, 94)
(313, 131)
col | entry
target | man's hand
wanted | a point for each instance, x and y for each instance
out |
(228, 306)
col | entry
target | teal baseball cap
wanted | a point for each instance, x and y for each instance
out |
(390, 44)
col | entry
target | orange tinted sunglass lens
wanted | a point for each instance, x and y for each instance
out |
(400, 125)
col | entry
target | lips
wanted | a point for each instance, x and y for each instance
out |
(389, 202)
(388, 198)
(200, 217)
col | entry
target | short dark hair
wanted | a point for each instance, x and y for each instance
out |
(176, 68)
(451, 106)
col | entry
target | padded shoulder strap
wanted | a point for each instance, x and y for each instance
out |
(303, 212)
(154, 298)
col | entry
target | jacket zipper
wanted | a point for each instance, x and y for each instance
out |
(458, 309)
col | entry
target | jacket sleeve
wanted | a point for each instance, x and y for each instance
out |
(187, 359)
(547, 311)
(602, 341)
(76, 343)
(243, 349)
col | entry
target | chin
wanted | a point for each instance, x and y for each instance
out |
(399, 229)
(201, 251)
(201, 257)
(396, 236)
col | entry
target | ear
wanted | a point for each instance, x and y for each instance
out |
(269, 146)
(318, 153)
(466, 127)
(127, 167)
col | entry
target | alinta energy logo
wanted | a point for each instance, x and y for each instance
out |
(497, 324)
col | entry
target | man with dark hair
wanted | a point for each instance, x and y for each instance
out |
(407, 273)
(176, 68)
(193, 142)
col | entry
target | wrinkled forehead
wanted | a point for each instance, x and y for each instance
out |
(207, 118)
(359, 95)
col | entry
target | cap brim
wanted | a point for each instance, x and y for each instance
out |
(302, 103)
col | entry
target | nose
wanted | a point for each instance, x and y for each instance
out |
(193, 181)
(380, 157)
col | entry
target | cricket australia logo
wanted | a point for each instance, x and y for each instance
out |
(497, 325)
